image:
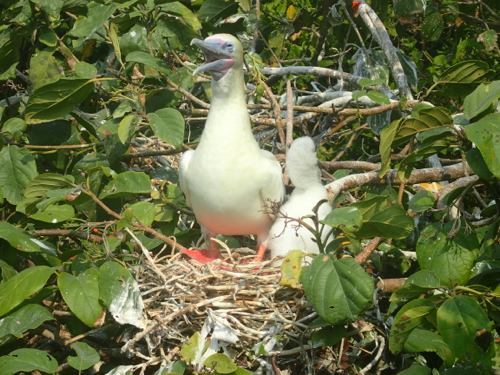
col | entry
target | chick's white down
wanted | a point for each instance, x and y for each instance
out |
(285, 234)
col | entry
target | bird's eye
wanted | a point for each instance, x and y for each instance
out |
(229, 46)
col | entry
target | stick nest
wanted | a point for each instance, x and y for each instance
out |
(245, 302)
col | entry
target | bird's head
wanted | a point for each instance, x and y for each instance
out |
(222, 52)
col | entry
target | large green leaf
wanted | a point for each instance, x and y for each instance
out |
(421, 201)
(213, 10)
(178, 9)
(407, 165)
(339, 290)
(22, 241)
(415, 285)
(24, 284)
(416, 369)
(481, 98)
(349, 219)
(168, 125)
(86, 356)
(44, 68)
(46, 182)
(27, 360)
(149, 60)
(407, 319)
(24, 319)
(55, 100)
(120, 293)
(382, 217)
(221, 363)
(98, 14)
(464, 72)
(126, 184)
(450, 258)
(422, 340)
(81, 293)
(428, 118)
(458, 320)
(10, 46)
(17, 169)
(486, 135)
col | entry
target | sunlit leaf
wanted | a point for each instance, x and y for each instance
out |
(23, 285)
(17, 169)
(486, 135)
(447, 250)
(81, 293)
(351, 295)
(86, 356)
(27, 360)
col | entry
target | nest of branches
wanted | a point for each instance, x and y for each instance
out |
(238, 305)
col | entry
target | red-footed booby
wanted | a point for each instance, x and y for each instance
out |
(302, 166)
(228, 180)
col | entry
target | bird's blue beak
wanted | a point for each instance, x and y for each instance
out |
(217, 60)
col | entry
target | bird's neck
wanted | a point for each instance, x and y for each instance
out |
(228, 105)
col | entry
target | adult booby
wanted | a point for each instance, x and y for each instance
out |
(228, 180)
(302, 166)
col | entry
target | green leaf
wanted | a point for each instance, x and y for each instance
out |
(55, 100)
(419, 283)
(416, 369)
(432, 26)
(407, 319)
(86, 356)
(48, 37)
(168, 125)
(378, 97)
(144, 211)
(54, 214)
(190, 349)
(148, 60)
(408, 163)
(126, 128)
(481, 98)
(478, 165)
(383, 218)
(14, 128)
(464, 72)
(387, 136)
(430, 118)
(85, 70)
(352, 293)
(451, 258)
(17, 169)
(24, 284)
(328, 336)
(10, 45)
(44, 68)
(127, 183)
(349, 219)
(81, 293)
(421, 201)
(120, 293)
(213, 10)
(98, 14)
(178, 9)
(358, 94)
(458, 320)
(24, 319)
(486, 135)
(220, 363)
(27, 360)
(422, 340)
(22, 241)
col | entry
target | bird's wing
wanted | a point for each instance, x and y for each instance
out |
(274, 187)
(183, 170)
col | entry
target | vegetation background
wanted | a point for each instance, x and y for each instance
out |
(98, 103)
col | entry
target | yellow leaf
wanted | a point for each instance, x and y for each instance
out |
(291, 268)
(290, 12)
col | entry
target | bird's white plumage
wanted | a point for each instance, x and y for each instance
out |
(228, 179)
(302, 166)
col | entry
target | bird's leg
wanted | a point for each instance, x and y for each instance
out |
(261, 250)
(213, 249)
(205, 255)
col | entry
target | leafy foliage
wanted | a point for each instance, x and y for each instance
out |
(98, 102)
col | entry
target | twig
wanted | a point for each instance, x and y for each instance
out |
(277, 113)
(368, 250)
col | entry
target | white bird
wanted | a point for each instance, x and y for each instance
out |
(228, 179)
(287, 235)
